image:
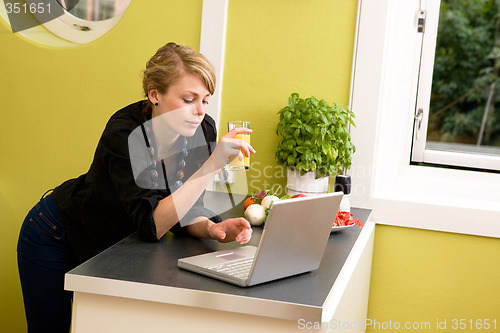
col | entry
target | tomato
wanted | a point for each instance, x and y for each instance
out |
(299, 196)
(249, 201)
(344, 219)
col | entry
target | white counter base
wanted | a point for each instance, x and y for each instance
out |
(136, 287)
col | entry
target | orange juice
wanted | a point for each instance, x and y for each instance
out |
(235, 164)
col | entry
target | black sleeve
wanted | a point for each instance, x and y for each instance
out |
(138, 202)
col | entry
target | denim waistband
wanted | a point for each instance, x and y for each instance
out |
(48, 207)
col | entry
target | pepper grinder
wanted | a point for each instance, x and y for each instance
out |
(343, 183)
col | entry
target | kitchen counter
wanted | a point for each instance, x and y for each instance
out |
(148, 272)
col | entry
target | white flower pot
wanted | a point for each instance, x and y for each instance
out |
(306, 184)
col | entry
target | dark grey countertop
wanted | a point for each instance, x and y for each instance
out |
(156, 264)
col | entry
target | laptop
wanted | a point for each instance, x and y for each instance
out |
(293, 242)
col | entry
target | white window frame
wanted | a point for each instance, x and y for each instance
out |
(213, 46)
(384, 91)
(421, 152)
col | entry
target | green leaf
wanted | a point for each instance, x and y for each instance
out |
(314, 136)
(293, 99)
(301, 150)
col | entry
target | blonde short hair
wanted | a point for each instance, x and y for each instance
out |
(170, 62)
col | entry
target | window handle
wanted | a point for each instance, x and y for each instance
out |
(419, 116)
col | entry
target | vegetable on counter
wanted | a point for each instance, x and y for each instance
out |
(256, 207)
(345, 219)
(249, 201)
(268, 200)
(255, 214)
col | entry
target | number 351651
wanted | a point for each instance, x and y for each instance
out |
(471, 324)
(33, 8)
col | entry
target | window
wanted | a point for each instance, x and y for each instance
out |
(457, 118)
(387, 71)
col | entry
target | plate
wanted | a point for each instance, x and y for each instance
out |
(343, 227)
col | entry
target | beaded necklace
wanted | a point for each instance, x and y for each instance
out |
(179, 156)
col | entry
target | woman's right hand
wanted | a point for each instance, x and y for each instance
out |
(228, 147)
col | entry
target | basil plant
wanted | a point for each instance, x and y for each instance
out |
(314, 136)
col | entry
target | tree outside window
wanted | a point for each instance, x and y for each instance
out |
(466, 86)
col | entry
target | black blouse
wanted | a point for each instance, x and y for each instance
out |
(108, 203)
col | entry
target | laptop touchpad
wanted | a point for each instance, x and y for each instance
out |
(230, 256)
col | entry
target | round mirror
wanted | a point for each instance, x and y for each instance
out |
(78, 21)
(95, 10)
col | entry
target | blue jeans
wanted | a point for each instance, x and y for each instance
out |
(44, 256)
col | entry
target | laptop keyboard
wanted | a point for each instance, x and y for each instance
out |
(238, 268)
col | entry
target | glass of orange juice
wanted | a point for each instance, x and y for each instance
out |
(235, 164)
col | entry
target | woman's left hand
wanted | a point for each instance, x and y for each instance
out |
(235, 229)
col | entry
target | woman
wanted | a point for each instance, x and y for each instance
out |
(145, 183)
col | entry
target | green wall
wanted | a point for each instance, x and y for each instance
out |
(54, 105)
(425, 278)
(56, 101)
(275, 48)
